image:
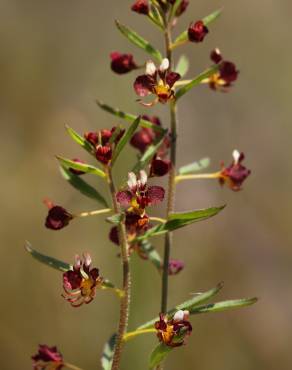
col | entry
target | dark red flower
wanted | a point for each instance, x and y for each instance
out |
(197, 31)
(175, 266)
(91, 137)
(80, 283)
(104, 153)
(58, 217)
(156, 81)
(173, 332)
(227, 73)
(47, 358)
(140, 195)
(235, 174)
(77, 172)
(159, 167)
(141, 7)
(145, 136)
(182, 8)
(122, 63)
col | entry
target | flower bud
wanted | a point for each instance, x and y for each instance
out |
(122, 63)
(175, 266)
(197, 31)
(182, 8)
(141, 7)
(91, 137)
(77, 172)
(103, 153)
(58, 217)
(159, 167)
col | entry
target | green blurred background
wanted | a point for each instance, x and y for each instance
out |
(54, 64)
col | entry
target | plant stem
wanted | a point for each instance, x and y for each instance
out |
(171, 178)
(133, 334)
(94, 213)
(215, 175)
(72, 367)
(125, 299)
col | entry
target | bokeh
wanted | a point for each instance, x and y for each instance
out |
(54, 64)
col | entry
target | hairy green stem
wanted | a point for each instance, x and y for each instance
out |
(125, 299)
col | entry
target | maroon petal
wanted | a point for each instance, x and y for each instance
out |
(124, 198)
(144, 85)
(228, 72)
(160, 167)
(171, 78)
(114, 235)
(142, 139)
(122, 63)
(216, 56)
(155, 194)
(72, 280)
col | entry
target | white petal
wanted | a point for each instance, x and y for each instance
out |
(164, 65)
(236, 155)
(87, 259)
(143, 177)
(179, 315)
(150, 68)
(132, 180)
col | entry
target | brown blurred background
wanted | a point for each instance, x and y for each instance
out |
(54, 63)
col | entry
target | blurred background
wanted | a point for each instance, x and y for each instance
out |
(54, 64)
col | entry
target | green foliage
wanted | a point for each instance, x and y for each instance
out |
(223, 306)
(158, 355)
(139, 41)
(182, 66)
(151, 253)
(81, 185)
(87, 168)
(108, 353)
(80, 140)
(194, 167)
(124, 140)
(129, 117)
(196, 81)
(179, 220)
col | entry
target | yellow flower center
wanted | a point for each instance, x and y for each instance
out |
(86, 287)
(168, 334)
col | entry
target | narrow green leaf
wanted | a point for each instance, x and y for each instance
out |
(223, 306)
(179, 220)
(151, 253)
(49, 261)
(155, 15)
(175, 7)
(187, 305)
(194, 167)
(129, 117)
(80, 140)
(158, 355)
(108, 353)
(79, 184)
(212, 17)
(125, 138)
(139, 41)
(196, 81)
(149, 154)
(115, 134)
(87, 168)
(182, 66)
(207, 21)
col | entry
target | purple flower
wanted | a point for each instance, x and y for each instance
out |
(47, 358)
(122, 63)
(58, 217)
(197, 31)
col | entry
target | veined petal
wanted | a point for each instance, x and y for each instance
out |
(171, 78)
(155, 194)
(143, 85)
(124, 198)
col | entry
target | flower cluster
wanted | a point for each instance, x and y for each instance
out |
(235, 174)
(47, 358)
(156, 81)
(173, 332)
(80, 283)
(103, 143)
(143, 138)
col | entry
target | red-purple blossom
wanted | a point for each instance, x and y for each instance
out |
(235, 174)
(159, 167)
(141, 7)
(197, 31)
(140, 195)
(226, 74)
(175, 266)
(80, 283)
(156, 81)
(77, 172)
(58, 217)
(145, 136)
(175, 331)
(122, 63)
(47, 358)
(91, 137)
(104, 153)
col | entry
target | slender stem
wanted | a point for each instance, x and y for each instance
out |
(158, 219)
(215, 175)
(70, 366)
(94, 213)
(125, 299)
(182, 83)
(133, 334)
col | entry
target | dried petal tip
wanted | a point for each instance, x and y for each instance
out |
(58, 217)
(235, 174)
(175, 266)
(141, 7)
(122, 63)
(47, 358)
(80, 283)
(197, 31)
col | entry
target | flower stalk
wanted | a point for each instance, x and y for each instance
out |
(215, 175)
